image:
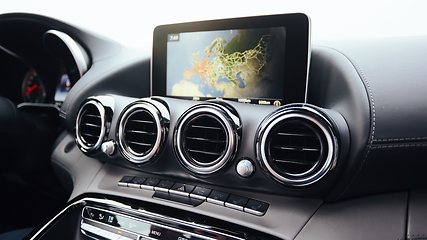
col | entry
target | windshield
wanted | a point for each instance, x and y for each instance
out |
(131, 22)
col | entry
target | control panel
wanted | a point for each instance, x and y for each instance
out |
(194, 195)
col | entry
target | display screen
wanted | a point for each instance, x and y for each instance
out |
(258, 60)
(245, 65)
(63, 87)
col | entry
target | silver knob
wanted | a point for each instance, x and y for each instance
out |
(245, 168)
(108, 147)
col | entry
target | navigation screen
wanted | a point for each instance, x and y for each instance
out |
(245, 65)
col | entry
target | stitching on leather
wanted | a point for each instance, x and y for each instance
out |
(400, 139)
(417, 236)
(400, 145)
(373, 118)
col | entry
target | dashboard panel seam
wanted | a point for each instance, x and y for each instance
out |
(308, 220)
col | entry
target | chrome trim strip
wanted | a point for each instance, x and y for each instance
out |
(310, 176)
(144, 221)
(54, 218)
(214, 201)
(232, 140)
(146, 216)
(75, 50)
(82, 145)
(308, 58)
(159, 120)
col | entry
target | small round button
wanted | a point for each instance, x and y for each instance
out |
(108, 147)
(245, 168)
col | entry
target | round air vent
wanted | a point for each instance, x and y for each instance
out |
(90, 126)
(206, 138)
(296, 146)
(142, 131)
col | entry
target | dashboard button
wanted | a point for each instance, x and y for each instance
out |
(256, 207)
(181, 189)
(124, 181)
(236, 202)
(217, 197)
(150, 183)
(200, 193)
(136, 182)
(164, 186)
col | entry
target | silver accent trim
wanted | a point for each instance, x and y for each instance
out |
(124, 148)
(175, 192)
(310, 176)
(232, 138)
(82, 145)
(75, 50)
(214, 201)
(144, 214)
(233, 206)
(139, 235)
(134, 185)
(251, 211)
(196, 196)
(308, 57)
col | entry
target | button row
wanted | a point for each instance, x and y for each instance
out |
(196, 192)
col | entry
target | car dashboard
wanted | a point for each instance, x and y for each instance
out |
(346, 163)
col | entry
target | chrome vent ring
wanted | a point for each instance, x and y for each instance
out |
(296, 146)
(90, 126)
(206, 138)
(141, 132)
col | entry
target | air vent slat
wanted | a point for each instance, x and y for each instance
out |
(206, 140)
(92, 115)
(296, 148)
(294, 161)
(141, 132)
(90, 135)
(91, 125)
(205, 152)
(139, 143)
(141, 121)
(296, 134)
(207, 127)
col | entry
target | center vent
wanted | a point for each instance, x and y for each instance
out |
(142, 132)
(206, 138)
(296, 147)
(90, 126)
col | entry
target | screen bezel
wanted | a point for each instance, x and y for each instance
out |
(297, 49)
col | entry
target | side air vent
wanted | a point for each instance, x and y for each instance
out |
(142, 131)
(296, 146)
(206, 138)
(90, 126)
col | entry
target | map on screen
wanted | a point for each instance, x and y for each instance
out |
(242, 63)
